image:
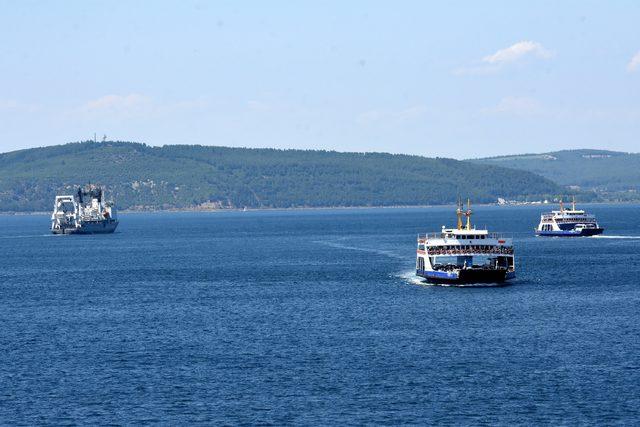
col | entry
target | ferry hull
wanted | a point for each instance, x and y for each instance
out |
(467, 276)
(571, 233)
(93, 227)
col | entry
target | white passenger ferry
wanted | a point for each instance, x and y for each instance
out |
(465, 254)
(568, 222)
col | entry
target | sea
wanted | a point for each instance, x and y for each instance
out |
(315, 317)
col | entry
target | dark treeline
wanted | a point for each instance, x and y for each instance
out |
(612, 175)
(183, 176)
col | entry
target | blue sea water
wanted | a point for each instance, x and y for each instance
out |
(314, 317)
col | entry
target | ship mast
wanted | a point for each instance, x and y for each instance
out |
(573, 203)
(459, 214)
(561, 206)
(468, 214)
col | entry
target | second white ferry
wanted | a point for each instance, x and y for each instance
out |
(465, 255)
(568, 222)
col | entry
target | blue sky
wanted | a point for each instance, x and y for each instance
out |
(452, 79)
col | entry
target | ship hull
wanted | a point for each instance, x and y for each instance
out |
(571, 233)
(90, 227)
(468, 276)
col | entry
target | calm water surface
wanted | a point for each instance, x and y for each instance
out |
(314, 317)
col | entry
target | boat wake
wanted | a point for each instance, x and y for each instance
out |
(337, 245)
(29, 236)
(600, 236)
(411, 278)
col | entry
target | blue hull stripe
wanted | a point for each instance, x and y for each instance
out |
(453, 276)
(585, 232)
(437, 274)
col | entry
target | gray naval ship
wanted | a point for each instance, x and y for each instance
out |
(84, 213)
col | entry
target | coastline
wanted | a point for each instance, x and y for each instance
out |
(311, 208)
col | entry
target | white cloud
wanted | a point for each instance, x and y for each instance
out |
(119, 103)
(134, 105)
(477, 70)
(10, 105)
(493, 63)
(517, 106)
(518, 51)
(392, 116)
(634, 64)
(255, 105)
(525, 107)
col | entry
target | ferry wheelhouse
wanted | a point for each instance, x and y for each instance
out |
(465, 254)
(568, 222)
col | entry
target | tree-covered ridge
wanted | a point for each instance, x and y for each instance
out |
(184, 176)
(600, 170)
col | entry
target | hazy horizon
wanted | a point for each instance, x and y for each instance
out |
(461, 80)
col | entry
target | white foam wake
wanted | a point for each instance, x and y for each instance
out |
(361, 249)
(410, 277)
(608, 236)
(30, 236)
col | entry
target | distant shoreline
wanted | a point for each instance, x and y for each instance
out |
(311, 208)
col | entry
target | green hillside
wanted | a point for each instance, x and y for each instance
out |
(607, 172)
(180, 176)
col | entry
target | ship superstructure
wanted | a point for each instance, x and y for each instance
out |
(86, 212)
(465, 254)
(568, 222)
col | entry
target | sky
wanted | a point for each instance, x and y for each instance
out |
(448, 79)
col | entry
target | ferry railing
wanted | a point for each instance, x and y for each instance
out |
(424, 237)
(548, 217)
(497, 250)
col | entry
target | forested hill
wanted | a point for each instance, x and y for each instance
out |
(138, 176)
(607, 172)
